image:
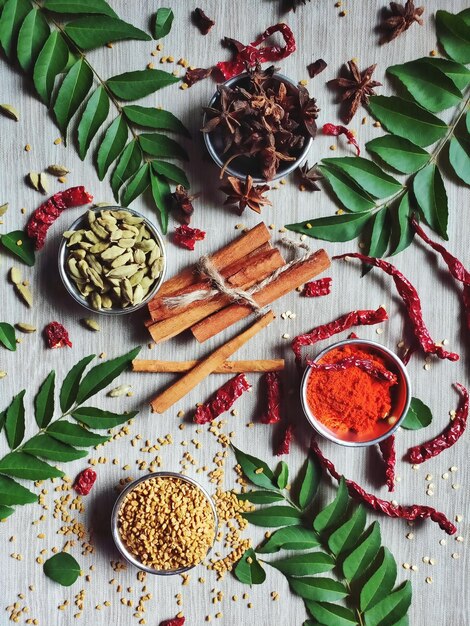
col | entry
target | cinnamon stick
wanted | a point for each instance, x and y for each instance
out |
(287, 281)
(186, 383)
(172, 326)
(227, 367)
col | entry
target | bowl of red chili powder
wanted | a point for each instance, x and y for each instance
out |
(356, 392)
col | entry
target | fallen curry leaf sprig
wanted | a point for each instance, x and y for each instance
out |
(7, 336)
(59, 439)
(51, 39)
(365, 572)
(377, 205)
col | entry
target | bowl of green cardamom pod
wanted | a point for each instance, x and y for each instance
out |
(112, 260)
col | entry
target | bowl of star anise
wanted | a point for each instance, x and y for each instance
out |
(259, 124)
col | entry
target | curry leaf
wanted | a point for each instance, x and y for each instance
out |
(459, 157)
(12, 492)
(161, 194)
(127, 165)
(93, 116)
(137, 185)
(290, 538)
(345, 537)
(74, 434)
(256, 470)
(430, 194)
(331, 614)
(381, 582)
(161, 146)
(112, 145)
(23, 465)
(44, 401)
(282, 475)
(305, 564)
(11, 18)
(103, 374)
(407, 119)
(249, 570)
(62, 568)
(77, 7)
(97, 418)
(453, 34)
(418, 416)
(171, 172)
(14, 422)
(5, 511)
(51, 61)
(72, 92)
(457, 72)
(351, 196)
(402, 233)
(138, 84)
(277, 515)
(33, 35)
(331, 515)
(70, 386)
(391, 608)
(318, 588)
(363, 554)
(18, 243)
(311, 473)
(379, 233)
(399, 153)
(49, 448)
(260, 497)
(7, 336)
(333, 228)
(163, 21)
(367, 175)
(91, 32)
(149, 117)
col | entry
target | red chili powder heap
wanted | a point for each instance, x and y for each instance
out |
(349, 400)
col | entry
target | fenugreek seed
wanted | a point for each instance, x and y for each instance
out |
(3, 374)
(428, 579)
(91, 324)
(406, 565)
(455, 555)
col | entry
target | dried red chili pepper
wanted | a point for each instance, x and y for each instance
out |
(186, 237)
(449, 436)
(355, 318)
(410, 513)
(50, 210)
(410, 297)
(272, 414)
(317, 288)
(249, 55)
(456, 267)
(352, 336)
(336, 130)
(56, 336)
(389, 455)
(222, 400)
(198, 73)
(85, 481)
(351, 361)
(176, 621)
(286, 438)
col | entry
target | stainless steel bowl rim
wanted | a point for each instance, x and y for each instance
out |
(232, 171)
(317, 425)
(73, 291)
(115, 530)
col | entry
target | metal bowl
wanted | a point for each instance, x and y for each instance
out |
(121, 546)
(400, 403)
(69, 284)
(241, 166)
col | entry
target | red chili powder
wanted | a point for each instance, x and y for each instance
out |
(349, 400)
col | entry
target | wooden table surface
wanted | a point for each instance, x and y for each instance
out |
(320, 32)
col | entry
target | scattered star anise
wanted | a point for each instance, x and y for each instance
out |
(308, 177)
(245, 194)
(201, 20)
(399, 19)
(308, 111)
(184, 202)
(223, 115)
(357, 89)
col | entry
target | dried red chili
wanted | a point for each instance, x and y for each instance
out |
(272, 413)
(56, 336)
(355, 318)
(286, 438)
(389, 455)
(410, 513)
(176, 621)
(49, 211)
(336, 130)
(317, 288)
(223, 399)
(410, 297)
(85, 481)
(456, 267)
(249, 55)
(450, 435)
(186, 237)
(351, 361)
(352, 336)
(202, 22)
(198, 73)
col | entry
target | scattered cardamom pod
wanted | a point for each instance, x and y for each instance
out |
(10, 112)
(58, 170)
(44, 183)
(121, 390)
(2, 373)
(91, 324)
(15, 276)
(25, 294)
(3, 208)
(25, 328)
(33, 180)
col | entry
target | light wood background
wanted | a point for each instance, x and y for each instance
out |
(320, 32)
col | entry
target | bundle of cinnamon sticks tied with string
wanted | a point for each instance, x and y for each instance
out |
(238, 280)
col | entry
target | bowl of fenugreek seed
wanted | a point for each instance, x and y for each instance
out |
(112, 260)
(164, 523)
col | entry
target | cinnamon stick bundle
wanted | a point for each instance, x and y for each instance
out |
(227, 367)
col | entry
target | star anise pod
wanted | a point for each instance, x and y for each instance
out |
(308, 176)
(184, 202)
(357, 89)
(308, 111)
(400, 19)
(245, 194)
(223, 115)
